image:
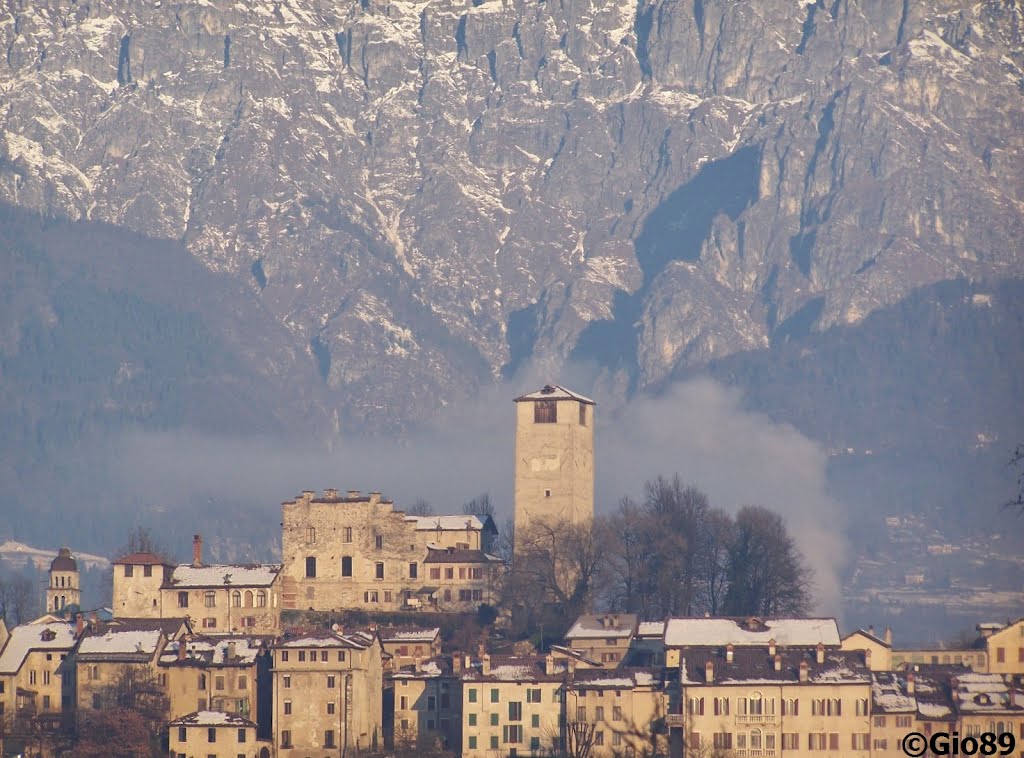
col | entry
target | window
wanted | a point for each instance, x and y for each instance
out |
(696, 706)
(816, 741)
(833, 741)
(46, 677)
(535, 721)
(202, 681)
(261, 599)
(413, 570)
(46, 702)
(209, 623)
(722, 740)
(494, 742)
(598, 738)
(97, 702)
(512, 734)
(721, 706)
(449, 572)
(879, 721)
(790, 741)
(378, 570)
(378, 541)
(236, 599)
(880, 745)
(211, 734)
(790, 706)
(581, 713)
(182, 734)
(286, 738)
(129, 571)
(310, 534)
(287, 707)
(249, 621)
(218, 683)
(599, 713)
(545, 412)
(494, 719)
(1000, 655)
(248, 598)
(862, 706)
(471, 695)
(860, 741)
(472, 743)
(210, 599)
(241, 735)
(903, 722)
(323, 656)
(331, 708)
(533, 695)
(341, 656)
(311, 567)
(495, 695)
(515, 711)
(286, 682)
(147, 570)
(346, 565)
(329, 738)
(472, 719)
(331, 681)
(243, 683)
(302, 656)
(284, 656)
(583, 415)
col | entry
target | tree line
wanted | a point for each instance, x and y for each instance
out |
(669, 554)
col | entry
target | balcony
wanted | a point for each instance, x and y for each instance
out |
(757, 718)
(755, 753)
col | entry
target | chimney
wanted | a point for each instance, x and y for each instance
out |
(911, 682)
(353, 493)
(307, 495)
(803, 671)
(867, 658)
(778, 662)
(820, 653)
(182, 649)
(888, 635)
(231, 651)
(709, 672)
(871, 630)
(330, 494)
(457, 664)
(374, 497)
(771, 646)
(485, 664)
(197, 550)
(79, 624)
(728, 653)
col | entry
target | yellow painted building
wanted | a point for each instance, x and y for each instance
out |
(625, 710)
(327, 694)
(604, 638)
(37, 681)
(427, 706)
(213, 734)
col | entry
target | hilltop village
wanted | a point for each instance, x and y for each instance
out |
(255, 661)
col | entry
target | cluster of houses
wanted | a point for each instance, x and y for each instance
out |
(239, 682)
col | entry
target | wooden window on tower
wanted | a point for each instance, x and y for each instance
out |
(545, 412)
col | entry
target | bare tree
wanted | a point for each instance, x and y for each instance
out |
(1017, 462)
(420, 508)
(480, 506)
(580, 737)
(504, 544)
(141, 540)
(17, 600)
(718, 533)
(767, 574)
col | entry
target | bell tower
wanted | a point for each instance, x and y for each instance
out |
(64, 588)
(554, 466)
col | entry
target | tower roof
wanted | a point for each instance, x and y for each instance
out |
(63, 561)
(554, 392)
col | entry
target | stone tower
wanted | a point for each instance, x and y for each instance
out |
(64, 588)
(554, 469)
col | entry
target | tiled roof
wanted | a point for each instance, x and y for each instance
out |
(224, 575)
(554, 392)
(144, 559)
(754, 665)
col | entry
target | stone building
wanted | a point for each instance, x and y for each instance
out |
(64, 588)
(879, 649)
(327, 694)
(427, 700)
(212, 733)
(408, 646)
(37, 681)
(605, 638)
(218, 598)
(554, 458)
(357, 551)
(621, 712)
(225, 674)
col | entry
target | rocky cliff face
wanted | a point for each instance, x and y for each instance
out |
(428, 193)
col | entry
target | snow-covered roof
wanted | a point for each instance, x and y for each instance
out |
(28, 637)
(120, 644)
(601, 626)
(227, 575)
(213, 718)
(511, 668)
(356, 640)
(702, 632)
(210, 651)
(554, 392)
(623, 678)
(456, 523)
(410, 635)
(651, 629)
(429, 669)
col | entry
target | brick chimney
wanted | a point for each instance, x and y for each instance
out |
(803, 671)
(728, 653)
(182, 649)
(457, 664)
(79, 624)
(819, 653)
(709, 672)
(771, 646)
(911, 682)
(485, 664)
(778, 662)
(197, 550)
